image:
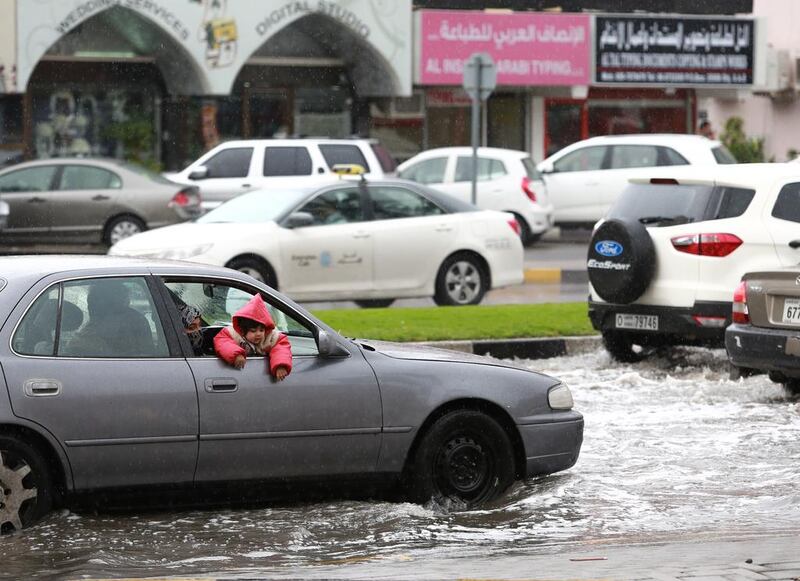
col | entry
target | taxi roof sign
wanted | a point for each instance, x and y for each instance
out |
(348, 169)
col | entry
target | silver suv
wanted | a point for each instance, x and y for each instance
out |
(235, 167)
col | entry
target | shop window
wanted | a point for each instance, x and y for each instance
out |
(230, 163)
(336, 154)
(564, 125)
(322, 111)
(82, 177)
(488, 169)
(287, 161)
(584, 159)
(34, 179)
(428, 171)
(11, 133)
(505, 126)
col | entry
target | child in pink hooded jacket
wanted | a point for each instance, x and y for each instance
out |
(253, 333)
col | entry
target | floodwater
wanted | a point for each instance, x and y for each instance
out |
(673, 449)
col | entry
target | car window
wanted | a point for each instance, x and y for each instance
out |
(389, 202)
(584, 159)
(732, 202)
(230, 163)
(488, 169)
(388, 164)
(336, 207)
(427, 171)
(338, 153)
(287, 161)
(530, 169)
(217, 301)
(31, 179)
(787, 206)
(627, 156)
(668, 156)
(102, 317)
(84, 177)
(722, 155)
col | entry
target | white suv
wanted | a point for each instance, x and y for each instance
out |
(664, 262)
(235, 167)
(585, 178)
(507, 181)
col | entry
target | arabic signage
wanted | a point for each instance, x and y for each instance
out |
(669, 51)
(528, 48)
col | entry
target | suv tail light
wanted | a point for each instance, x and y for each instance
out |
(186, 197)
(707, 244)
(526, 187)
(515, 226)
(740, 311)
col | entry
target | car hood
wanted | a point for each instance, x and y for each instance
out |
(418, 352)
(180, 235)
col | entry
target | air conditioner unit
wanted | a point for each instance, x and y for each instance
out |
(780, 78)
(407, 107)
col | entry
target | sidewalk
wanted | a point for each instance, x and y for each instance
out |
(525, 348)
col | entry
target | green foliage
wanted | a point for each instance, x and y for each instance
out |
(792, 154)
(461, 323)
(136, 136)
(745, 149)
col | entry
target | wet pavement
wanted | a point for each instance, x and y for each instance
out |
(676, 458)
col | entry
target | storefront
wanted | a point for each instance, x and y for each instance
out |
(161, 82)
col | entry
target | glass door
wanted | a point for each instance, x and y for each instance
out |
(566, 122)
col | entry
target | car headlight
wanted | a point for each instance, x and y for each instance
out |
(184, 252)
(560, 397)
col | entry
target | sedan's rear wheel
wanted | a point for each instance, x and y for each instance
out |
(461, 281)
(258, 269)
(122, 227)
(374, 303)
(26, 492)
(466, 457)
(622, 346)
(792, 387)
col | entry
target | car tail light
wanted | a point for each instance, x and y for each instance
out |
(185, 197)
(515, 226)
(707, 244)
(740, 311)
(526, 187)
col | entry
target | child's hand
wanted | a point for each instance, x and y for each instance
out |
(239, 362)
(281, 372)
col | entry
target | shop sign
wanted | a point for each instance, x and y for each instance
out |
(670, 51)
(527, 48)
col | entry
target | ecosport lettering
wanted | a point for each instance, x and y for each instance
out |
(607, 265)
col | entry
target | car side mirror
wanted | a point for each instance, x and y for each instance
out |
(199, 173)
(546, 168)
(328, 346)
(4, 211)
(299, 220)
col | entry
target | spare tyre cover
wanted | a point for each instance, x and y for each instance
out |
(621, 261)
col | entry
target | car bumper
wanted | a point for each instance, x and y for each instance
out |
(702, 323)
(764, 349)
(552, 447)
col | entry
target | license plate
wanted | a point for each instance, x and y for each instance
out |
(791, 311)
(645, 322)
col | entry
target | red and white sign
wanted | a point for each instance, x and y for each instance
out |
(527, 48)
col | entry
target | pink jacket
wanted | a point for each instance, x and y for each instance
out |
(229, 342)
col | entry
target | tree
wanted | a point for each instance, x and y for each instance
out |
(745, 149)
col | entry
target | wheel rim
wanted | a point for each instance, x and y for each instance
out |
(463, 282)
(462, 468)
(254, 272)
(13, 492)
(123, 229)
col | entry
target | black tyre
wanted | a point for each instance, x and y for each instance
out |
(622, 346)
(374, 303)
(256, 268)
(792, 387)
(461, 281)
(26, 489)
(525, 235)
(621, 260)
(466, 457)
(122, 227)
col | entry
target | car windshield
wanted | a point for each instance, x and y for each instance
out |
(144, 172)
(255, 207)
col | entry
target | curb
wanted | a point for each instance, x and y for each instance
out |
(525, 348)
(555, 276)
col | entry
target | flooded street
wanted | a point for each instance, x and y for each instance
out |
(672, 448)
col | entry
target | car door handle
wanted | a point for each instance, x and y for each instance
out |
(361, 235)
(36, 200)
(221, 385)
(100, 198)
(41, 387)
(245, 185)
(794, 244)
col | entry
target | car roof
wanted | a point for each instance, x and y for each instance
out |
(746, 175)
(467, 149)
(299, 140)
(110, 163)
(43, 265)
(657, 138)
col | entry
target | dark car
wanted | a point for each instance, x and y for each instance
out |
(105, 390)
(88, 201)
(765, 334)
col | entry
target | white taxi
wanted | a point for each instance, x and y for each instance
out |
(370, 242)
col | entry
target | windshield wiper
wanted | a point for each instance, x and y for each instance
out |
(662, 219)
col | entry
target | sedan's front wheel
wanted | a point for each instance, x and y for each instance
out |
(26, 492)
(122, 227)
(461, 281)
(466, 457)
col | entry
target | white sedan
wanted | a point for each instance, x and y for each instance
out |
(370, 242)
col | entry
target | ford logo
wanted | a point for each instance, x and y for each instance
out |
(608, 248)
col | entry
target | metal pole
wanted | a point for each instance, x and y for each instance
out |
(476, 128)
